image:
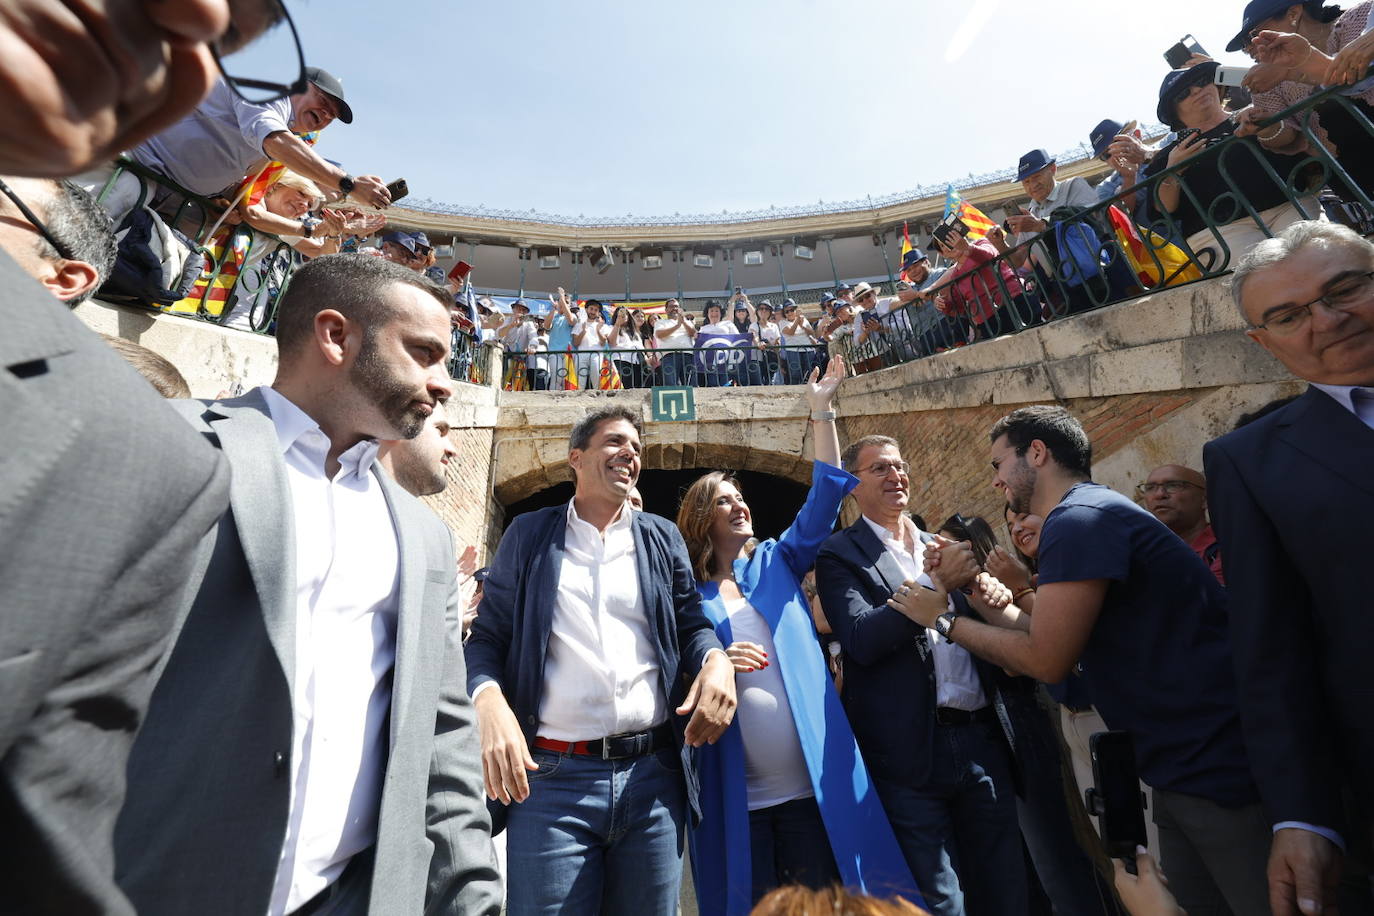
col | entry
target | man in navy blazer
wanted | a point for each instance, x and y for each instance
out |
(1292, 496)
(922, 708)
(589, 652)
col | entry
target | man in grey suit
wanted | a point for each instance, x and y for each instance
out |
(310, 747)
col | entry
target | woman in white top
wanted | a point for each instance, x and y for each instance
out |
(765, 820)
(626, 348)
(769, 336)
(589, 338)
(717, 366)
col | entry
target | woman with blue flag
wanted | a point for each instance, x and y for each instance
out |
(785, 795)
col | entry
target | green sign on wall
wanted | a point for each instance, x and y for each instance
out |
(670, 404)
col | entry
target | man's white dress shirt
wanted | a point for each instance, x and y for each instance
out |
(600, 668)
(347, 564)
(956, 680)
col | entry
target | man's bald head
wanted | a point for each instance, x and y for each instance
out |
(1177, 496)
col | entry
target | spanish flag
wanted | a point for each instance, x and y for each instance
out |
(976, 220)
(570, 372)
(906, 244)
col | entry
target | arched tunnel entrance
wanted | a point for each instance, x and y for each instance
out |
(773, 501)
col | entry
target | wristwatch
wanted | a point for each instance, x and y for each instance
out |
(307, 228)
(944, 622)
(346, 183)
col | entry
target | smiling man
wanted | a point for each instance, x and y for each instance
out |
(313, 685)
(1291, 500)
(939, 759)
(589, 631)
(214, 147)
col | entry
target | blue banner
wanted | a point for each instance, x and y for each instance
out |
(718, 353)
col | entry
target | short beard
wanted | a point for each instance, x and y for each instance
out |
(394, 399)
(1021, 486)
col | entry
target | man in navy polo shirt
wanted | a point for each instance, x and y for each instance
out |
(1144, 617)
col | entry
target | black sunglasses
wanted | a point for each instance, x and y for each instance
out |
(62, 250)
(256, 91)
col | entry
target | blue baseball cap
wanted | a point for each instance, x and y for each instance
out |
(404, 239)
(421, 240)
(1256, 11)
(843, 287)
(912, 258)
(1103, 134)
(1037, 160)
(1176, 84)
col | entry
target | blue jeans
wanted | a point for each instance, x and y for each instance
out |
(958, 830)
(788, 845)
(1066, 872)
(598, 836)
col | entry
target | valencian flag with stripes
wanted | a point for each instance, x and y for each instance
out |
(228, 248)
(976, 220)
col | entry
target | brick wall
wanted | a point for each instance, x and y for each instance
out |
(466, 504)
(948, 449)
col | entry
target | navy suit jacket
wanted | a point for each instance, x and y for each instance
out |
(511, 634)
(1292, 503)
(889, 676)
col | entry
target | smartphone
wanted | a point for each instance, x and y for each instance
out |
(460, 271)
(1115, 795)
(1230, 76)
(870, 315)
(398, 189)
(979, 538)
(1186, 47)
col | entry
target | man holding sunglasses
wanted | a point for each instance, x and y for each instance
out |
(1291, 497)
(213, 148)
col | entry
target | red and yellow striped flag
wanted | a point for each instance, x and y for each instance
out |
(976, 220)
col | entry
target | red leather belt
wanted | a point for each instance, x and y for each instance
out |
(615, 747)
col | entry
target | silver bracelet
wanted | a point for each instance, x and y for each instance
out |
(819, 416)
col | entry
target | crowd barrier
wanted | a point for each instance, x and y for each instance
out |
(734, 365)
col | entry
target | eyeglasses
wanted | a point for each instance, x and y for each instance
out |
(279, 47)
(62, 250)
(1168, 486)
(1343, 293)
(868, 295)
(883, 468)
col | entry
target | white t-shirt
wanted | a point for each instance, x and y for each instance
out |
(796, 340)
(680, 339)
(774, 766)
(719, 327)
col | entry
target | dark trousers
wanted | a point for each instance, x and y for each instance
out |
(537, 379)
(1066, 872)
(788, 845)
(958, 830)
(1215, 857)
(631, 373)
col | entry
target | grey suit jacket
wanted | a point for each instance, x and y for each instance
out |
(104, 494)
(206, 815)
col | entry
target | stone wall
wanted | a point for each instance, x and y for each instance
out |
(1152, 380)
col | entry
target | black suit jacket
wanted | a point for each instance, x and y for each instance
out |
(1292, 502)
(511, 634)
(889, 676)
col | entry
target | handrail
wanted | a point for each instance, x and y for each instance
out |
(734, 366)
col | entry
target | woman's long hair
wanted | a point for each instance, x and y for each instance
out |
(694, 516)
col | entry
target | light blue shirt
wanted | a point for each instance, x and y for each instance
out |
(214, 146)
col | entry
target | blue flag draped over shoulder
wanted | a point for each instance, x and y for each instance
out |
(856, 825)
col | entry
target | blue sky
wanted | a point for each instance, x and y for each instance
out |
(609, 109)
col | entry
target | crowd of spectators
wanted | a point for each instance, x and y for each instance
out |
(616, 660)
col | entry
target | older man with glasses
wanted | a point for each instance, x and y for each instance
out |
(1291, 498)
(939, 758)
(1177, 496)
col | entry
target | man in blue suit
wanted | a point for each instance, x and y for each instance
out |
(589, 653)
(1292, 495)
(921, 708)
